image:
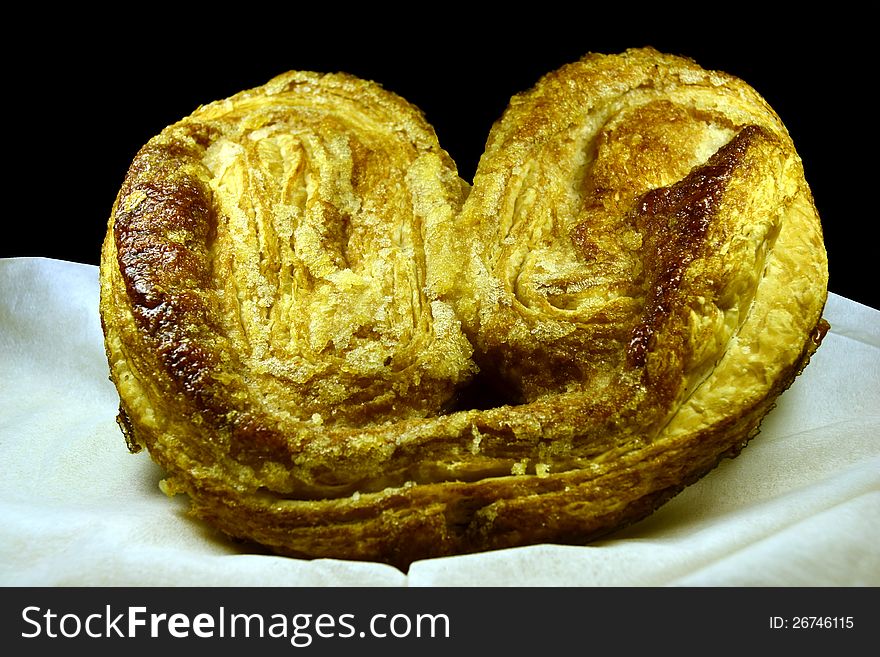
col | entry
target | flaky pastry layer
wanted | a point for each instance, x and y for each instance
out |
(335, 350)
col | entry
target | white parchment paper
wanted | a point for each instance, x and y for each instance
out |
(799, 507)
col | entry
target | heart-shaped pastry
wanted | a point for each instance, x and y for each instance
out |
(337, 348)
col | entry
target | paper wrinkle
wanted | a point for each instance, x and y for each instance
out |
(854, 320)
(842, 522)
(799, 507)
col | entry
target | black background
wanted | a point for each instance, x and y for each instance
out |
(81, 100)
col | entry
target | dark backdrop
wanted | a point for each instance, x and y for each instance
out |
(78, 113)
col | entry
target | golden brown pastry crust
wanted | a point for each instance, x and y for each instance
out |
(295, 294)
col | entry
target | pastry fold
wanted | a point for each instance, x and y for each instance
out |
(335, 350)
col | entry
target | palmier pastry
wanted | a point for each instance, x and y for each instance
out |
(335, 350)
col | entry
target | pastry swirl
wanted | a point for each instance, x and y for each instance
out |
(335, 350)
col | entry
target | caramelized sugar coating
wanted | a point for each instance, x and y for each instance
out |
(305, 318)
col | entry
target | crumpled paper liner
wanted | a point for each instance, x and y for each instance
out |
(799, 507)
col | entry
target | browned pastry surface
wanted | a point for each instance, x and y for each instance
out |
(336, 351)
